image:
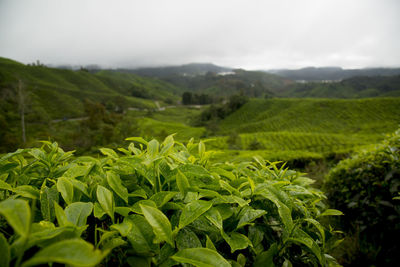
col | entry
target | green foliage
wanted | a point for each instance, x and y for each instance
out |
(364, 187)
(157, 203)
(194, 99)
(219, 112)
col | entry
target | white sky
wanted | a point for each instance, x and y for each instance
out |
(251, 34)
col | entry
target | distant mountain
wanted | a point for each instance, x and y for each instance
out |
(225, 84)
(185, 70)
(332, 73)
(355, 87)
(215, 81)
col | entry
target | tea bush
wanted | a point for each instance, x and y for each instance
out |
(365, 188)
(158, 204)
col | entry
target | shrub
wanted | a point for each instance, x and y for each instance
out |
(157, 204)
(363, 187)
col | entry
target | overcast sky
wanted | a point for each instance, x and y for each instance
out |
(251, 34)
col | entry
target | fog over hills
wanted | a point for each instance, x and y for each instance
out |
(332, 73)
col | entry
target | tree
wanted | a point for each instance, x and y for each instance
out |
(187, 98)
(22, 102)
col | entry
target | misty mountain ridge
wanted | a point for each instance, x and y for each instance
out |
(328, 73)
(332, 73)
(191, 69)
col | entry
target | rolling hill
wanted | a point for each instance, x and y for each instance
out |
(294, 129)
(60, 93)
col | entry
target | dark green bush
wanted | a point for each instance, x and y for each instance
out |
(364, 188)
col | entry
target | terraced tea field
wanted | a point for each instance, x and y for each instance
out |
(284, 129)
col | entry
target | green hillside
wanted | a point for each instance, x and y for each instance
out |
(61, 92)
(304, 129)
(372, 115)
(45, 95)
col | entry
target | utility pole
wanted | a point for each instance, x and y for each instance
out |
(21, 107)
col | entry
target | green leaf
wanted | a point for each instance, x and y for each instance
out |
(231, 199)
(138, 193)
(12, 154)
(45, 233)
(186, 238)
(38, 154)
(159, 222)
(112, 243)
(140, 235)
(136, 207)
(194, 171)
(209, 243)
(331, 212)
(202, 149)
(109, 152)
(66, 189)
(78, 212)
(265, 259)
(241, 259)
(137, 139)
(248, 215)
(18, 214)
(182, 182)
(123, 228)
(47, 198)
(79, 185)
(256, 236)
(201, 257)
(225, 210)
(208, 193)
(192, 211)
(236, 241)
(285, 215)
(152, 148)
(301, 237)
(106, 200)
(4, 252)
(5, 186)
(60, 215)
(167, 144)
(224, 173)
(284, 212)
(27, 191)
(124, 211)
(161, 198)
(215, 217)
(98, 211)
(75, 252)
(319, 227)
(106, 235)
(115, 183)
(75, 170)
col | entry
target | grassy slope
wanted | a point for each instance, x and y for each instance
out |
(374, 115)
(122, 82)
(60, 92)
(159, 124)
(306, 128)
